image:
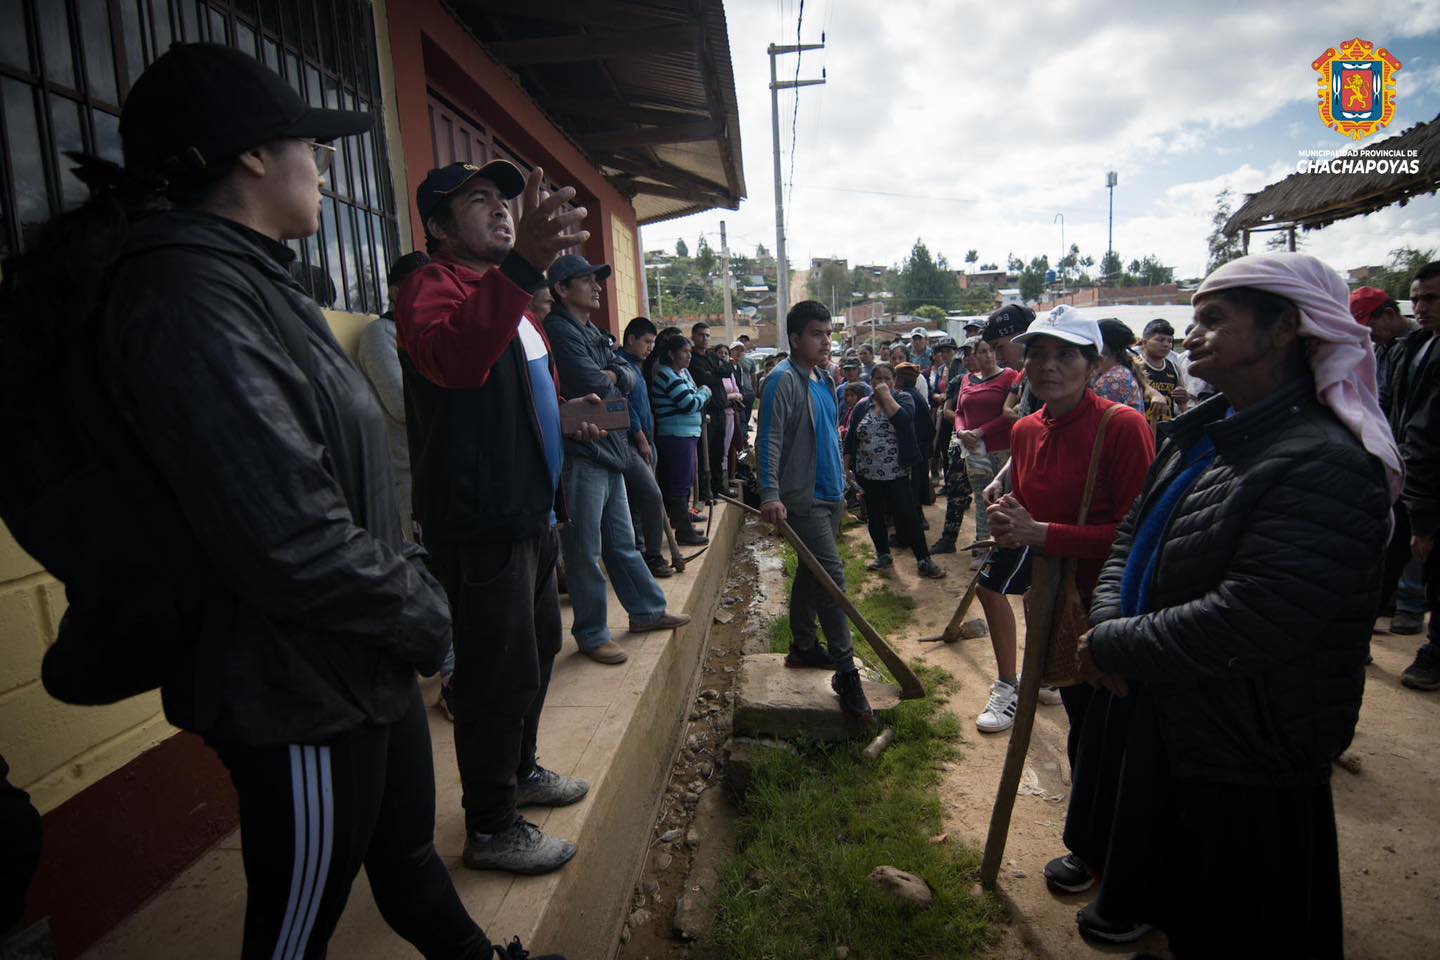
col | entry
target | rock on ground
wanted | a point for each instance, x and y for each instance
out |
(905, 887)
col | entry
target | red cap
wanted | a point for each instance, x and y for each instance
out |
(1365, 301)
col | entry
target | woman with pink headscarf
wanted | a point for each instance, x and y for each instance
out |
(1232, 623)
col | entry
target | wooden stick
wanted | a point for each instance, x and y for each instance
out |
(910, 686)
(957, 620)
(1046, 578)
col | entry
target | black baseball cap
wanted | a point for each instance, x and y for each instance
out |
(1008, 321)
(443, 181)
(571, 266)
(200, 105)
(946, 343)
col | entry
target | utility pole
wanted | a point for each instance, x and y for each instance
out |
(725, 283)
(782, 274)
(659, 301)
(1111, 179)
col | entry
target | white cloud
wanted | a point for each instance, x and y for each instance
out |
(993, 117)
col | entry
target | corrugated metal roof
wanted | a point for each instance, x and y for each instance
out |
(644, 87)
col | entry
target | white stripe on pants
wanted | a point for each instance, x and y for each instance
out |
(314, 814)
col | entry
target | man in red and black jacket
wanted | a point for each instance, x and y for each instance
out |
(483, 417)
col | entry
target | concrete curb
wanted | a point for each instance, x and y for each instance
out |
(582, 916)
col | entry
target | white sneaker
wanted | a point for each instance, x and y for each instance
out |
(999, 713)
(1049, 696)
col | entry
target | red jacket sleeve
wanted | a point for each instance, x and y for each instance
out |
(454, 327)
(1126, 457)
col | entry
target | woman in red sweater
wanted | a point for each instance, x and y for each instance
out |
(981, 424)
(1050, 455)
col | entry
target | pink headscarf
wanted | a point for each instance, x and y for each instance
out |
(1340, 353)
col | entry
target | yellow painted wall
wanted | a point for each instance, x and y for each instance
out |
(55, 750)
(627, 291)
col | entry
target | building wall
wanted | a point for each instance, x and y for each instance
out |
(431, 50)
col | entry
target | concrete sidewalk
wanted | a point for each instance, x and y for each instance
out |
(616, 726)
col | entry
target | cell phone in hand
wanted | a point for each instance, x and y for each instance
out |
(607, 415)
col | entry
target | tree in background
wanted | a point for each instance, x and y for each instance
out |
(1032, 278)
(1223, 248)
(760, 252)
(970, 257)
(1398, 273)
(976, 300)
(1014, 264)
(930, 312)
(926, 279)
(1111, 270)
(1279, 241)
(705, 258)
(681, 250)
(830, 285)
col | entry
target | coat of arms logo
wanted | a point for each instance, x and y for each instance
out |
(1357, 88)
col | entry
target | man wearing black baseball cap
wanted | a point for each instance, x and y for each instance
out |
(483, 413)
(599, 526)
(317, 614)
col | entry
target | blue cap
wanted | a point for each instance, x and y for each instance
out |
(443, 181)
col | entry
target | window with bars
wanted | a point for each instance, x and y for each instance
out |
(66, 66)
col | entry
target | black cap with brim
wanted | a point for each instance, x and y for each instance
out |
(443, 181)
(571, 266)
(200, 105)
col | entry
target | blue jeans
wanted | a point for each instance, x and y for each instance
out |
(1410, 596)
(600, 528)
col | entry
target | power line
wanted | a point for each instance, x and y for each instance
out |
(795, 113)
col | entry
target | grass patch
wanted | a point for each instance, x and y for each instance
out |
(814, 825)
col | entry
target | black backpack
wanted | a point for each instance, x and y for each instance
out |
(82, 496)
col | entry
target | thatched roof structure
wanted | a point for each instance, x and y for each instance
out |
(1313, 200)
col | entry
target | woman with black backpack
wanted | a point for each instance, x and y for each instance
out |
(252, 470)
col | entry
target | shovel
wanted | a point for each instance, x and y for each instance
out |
(910, 686)
(957, 620)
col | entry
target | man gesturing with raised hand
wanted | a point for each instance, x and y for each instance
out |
(483, 415)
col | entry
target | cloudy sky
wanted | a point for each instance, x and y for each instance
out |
(973, 124)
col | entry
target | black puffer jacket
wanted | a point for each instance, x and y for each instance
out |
(315, 613)
(1412, 398)
(1263, 596)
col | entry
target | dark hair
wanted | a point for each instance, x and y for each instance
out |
(667, 332)
(1430, 271)
(443, 215)
(882, 366)
(1160, 326)
(401, 269)
(801, 315)
(639, 327)
(856, 389)
(696, 328)
(666, 346)
(1118, 339)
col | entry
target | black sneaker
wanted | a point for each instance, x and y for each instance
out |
(658, 567)
(522, 848)
(809, 658)
(943, 545)
(852, 695)
(1068, 874)
(1406, 623)
(883, 562)
(930, 570)
(1424, 673)
(1093, 925)
(691, 538)
(546, 788)
(514, 951)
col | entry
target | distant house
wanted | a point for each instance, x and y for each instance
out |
(993, 279)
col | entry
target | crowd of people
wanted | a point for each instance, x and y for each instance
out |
(1238, 520)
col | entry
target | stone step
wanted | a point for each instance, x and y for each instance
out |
(773, 700)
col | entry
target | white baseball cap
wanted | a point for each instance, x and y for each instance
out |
(1068, 324)
(918, 332)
